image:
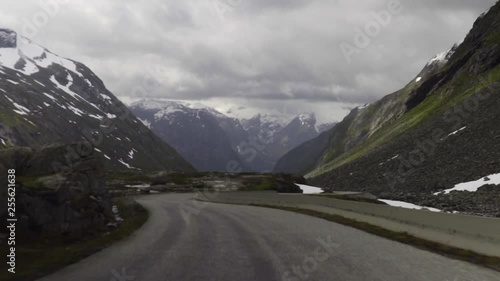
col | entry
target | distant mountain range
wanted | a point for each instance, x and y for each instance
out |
(440, 130)
(46, 99)
(213, 141)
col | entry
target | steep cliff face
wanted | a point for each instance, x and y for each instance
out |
(450, 111)
(46, 99)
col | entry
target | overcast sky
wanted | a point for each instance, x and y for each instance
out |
(272, 55)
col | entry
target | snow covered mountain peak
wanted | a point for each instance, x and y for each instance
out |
(47, 99)
(155, 104)
(280, 119)
(309, 118)
(23, 55)
(442, 58)
(165, 108)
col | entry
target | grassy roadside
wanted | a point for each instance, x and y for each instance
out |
(49, 254)
(438, 248)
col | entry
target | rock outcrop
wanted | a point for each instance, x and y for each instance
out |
(8, 38)
(60, 189)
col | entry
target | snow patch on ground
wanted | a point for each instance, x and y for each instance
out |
(307, 189)
(131, 153)
(406, 205)
(75, 110)
(21, 110)
(457, 131)
(50, 97)
(34, 57)
(418, 79)
(473, 186)
(40, 83)
(363, 106)
(126, 164)
(98, 117)
(146, 123)
(105, 97)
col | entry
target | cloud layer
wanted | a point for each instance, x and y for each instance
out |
(264, 53)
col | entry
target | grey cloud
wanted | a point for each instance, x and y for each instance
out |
(256, 50)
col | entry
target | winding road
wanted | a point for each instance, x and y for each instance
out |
(186, 240)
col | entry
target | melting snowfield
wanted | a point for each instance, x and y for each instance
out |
(473, 186)
(307, 189)
(406, 205)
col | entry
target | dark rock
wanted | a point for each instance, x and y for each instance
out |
(287, 187)
(8, 38)
(59, 194)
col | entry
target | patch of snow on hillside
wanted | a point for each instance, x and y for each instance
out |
(34, 56)
(307, 189)
(50, 97)
(3, 142)
(98, 117)
(75, 110)
(66, 87)
(131, 154)
(406, 205)
(418, 79)
(457, 131)
(13, 82)
(146, 123)
(473, 186)
(126, 164)
(29, 68)
(21, 110)
(40, 83)
(439, 58)
(105, 97)
(363, 106)
(42, 57)
(9, 57)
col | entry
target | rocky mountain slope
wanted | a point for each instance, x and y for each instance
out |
(195, 133)
(438, 131)
(213, 141)
(46, 99)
